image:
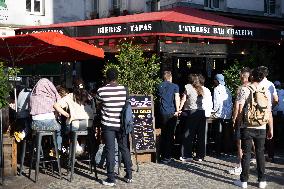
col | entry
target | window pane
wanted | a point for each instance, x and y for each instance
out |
(272, 6)
(37, 5)
(206, 3)
(216, 3)
(28, 5)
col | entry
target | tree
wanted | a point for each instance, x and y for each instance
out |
(258, 56)
(139, 73)
(5, 85)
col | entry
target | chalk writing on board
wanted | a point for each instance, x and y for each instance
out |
(140, 101)
(144, 129)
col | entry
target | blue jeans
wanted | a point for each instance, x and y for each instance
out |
(48, 125)
(110, 133)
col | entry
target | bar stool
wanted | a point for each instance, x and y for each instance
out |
(72, 159)
(37, 141)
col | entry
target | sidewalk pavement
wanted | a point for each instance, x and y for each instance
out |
(210, 173)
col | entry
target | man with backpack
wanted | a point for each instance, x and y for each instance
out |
(254, 114)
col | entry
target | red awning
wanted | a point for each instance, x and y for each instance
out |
(179, 14)
(180, 21)
(45, 47)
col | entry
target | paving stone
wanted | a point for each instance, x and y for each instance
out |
(211, 173)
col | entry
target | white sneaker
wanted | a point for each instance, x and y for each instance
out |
(107, 183)
(185, 159)
(235, 171)
(79, 149)
(241, 184)
(253, 161)
(262, 184)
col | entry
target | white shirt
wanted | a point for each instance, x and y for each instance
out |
(23, 103)
(207, 103)
(222, 102)
(271, 88)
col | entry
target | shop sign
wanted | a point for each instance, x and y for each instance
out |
(161, 27)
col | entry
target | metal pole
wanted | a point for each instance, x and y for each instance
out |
(1, 149)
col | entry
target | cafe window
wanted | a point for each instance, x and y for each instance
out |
(35, 7)
(214, 4)
(270, 6)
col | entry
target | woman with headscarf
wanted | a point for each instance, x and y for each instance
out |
(42, 98)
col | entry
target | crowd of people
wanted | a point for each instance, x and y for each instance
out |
(42, 106)
(249, 117)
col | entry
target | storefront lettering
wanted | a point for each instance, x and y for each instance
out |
(194, 29)
(40, 31)
(213, 30)
(140, 27)
(231, 31)
(219, 31)
(109, 29)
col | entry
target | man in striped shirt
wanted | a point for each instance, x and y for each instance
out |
(111, 98)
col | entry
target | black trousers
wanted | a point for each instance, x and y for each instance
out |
(194, 131)
(110, 133)
(168, 125)
(258, 137)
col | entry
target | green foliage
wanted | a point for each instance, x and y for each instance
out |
(257, 56)
(5, 86)
(232, 77)
(139, 73)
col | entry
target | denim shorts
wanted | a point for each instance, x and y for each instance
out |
(46, 125)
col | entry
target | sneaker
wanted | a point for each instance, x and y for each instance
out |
(19, 136)
(127, 180)
(235, 171)
(241, 184)
(183, 159)
(262, 184)
(166, 160)
(108, 183)
(253, 161)
(197, 159)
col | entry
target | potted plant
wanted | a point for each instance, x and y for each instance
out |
(136, 71)
(140, 73)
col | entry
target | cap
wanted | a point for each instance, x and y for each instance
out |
(220, 79)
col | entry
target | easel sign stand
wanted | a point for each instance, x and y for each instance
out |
(143, 139)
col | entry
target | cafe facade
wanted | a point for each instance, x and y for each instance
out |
(182, 37)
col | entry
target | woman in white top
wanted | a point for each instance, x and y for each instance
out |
(80, 107)
(192, 101)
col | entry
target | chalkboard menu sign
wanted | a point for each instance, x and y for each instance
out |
(144, 127)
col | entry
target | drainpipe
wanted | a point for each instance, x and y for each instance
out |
(50, 7)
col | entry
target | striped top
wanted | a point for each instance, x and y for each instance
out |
(112, 98)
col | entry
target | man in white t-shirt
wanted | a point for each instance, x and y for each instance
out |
(256, 134)
(272, 95)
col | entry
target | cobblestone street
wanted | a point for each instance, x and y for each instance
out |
(211, 173)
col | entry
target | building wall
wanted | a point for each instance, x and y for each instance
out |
(55, 11)
(16, 14)
(137, 6)
(255, 5)
(249, 7)
(69, 10)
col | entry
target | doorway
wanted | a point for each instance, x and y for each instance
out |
(207, 66)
